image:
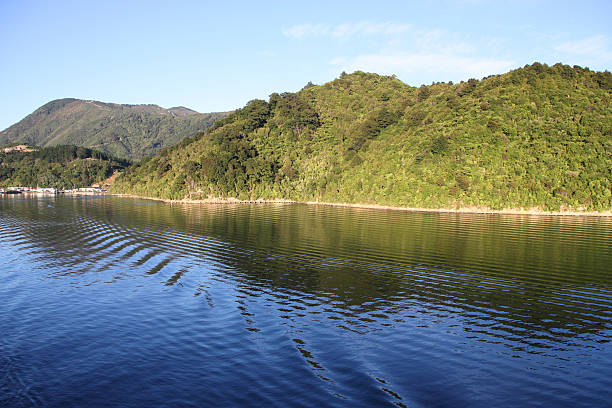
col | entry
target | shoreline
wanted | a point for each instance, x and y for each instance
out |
(462, 210)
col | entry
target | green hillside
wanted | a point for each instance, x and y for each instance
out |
(537, 136)
(130, 131)
(62, 167)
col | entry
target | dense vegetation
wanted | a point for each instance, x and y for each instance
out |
(538, 136)
(129, 131)
(62, 167)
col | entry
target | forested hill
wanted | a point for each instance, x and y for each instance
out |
(62, 167)
(538, 136)
(129, 131)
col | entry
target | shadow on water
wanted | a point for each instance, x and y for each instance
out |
(528, 274)
(535, 285)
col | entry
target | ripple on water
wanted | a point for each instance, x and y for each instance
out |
(112, 302)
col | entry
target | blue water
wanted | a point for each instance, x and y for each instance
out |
(110, 302)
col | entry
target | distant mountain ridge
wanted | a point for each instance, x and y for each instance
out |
(129, 131)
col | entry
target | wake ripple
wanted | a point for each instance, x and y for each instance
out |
(365, 307)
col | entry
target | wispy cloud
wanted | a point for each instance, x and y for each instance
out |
(437, 66)
(306, 30)
(395, 34)
(441, 41)
(346, 30)
(369, 28)
(595, 48)
(408, 51)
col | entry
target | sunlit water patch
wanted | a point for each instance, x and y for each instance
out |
(121, 302)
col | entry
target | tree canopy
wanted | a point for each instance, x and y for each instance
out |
(538, 136)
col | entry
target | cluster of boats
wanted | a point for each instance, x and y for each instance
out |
(51, 191)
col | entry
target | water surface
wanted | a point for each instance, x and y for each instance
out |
(123, 302)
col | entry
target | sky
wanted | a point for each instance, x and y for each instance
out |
(216, 56)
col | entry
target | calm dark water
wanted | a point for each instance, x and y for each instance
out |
(133, 303)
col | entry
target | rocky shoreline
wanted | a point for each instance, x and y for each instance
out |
(460, 210)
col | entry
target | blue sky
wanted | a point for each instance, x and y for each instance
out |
(216, 56)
